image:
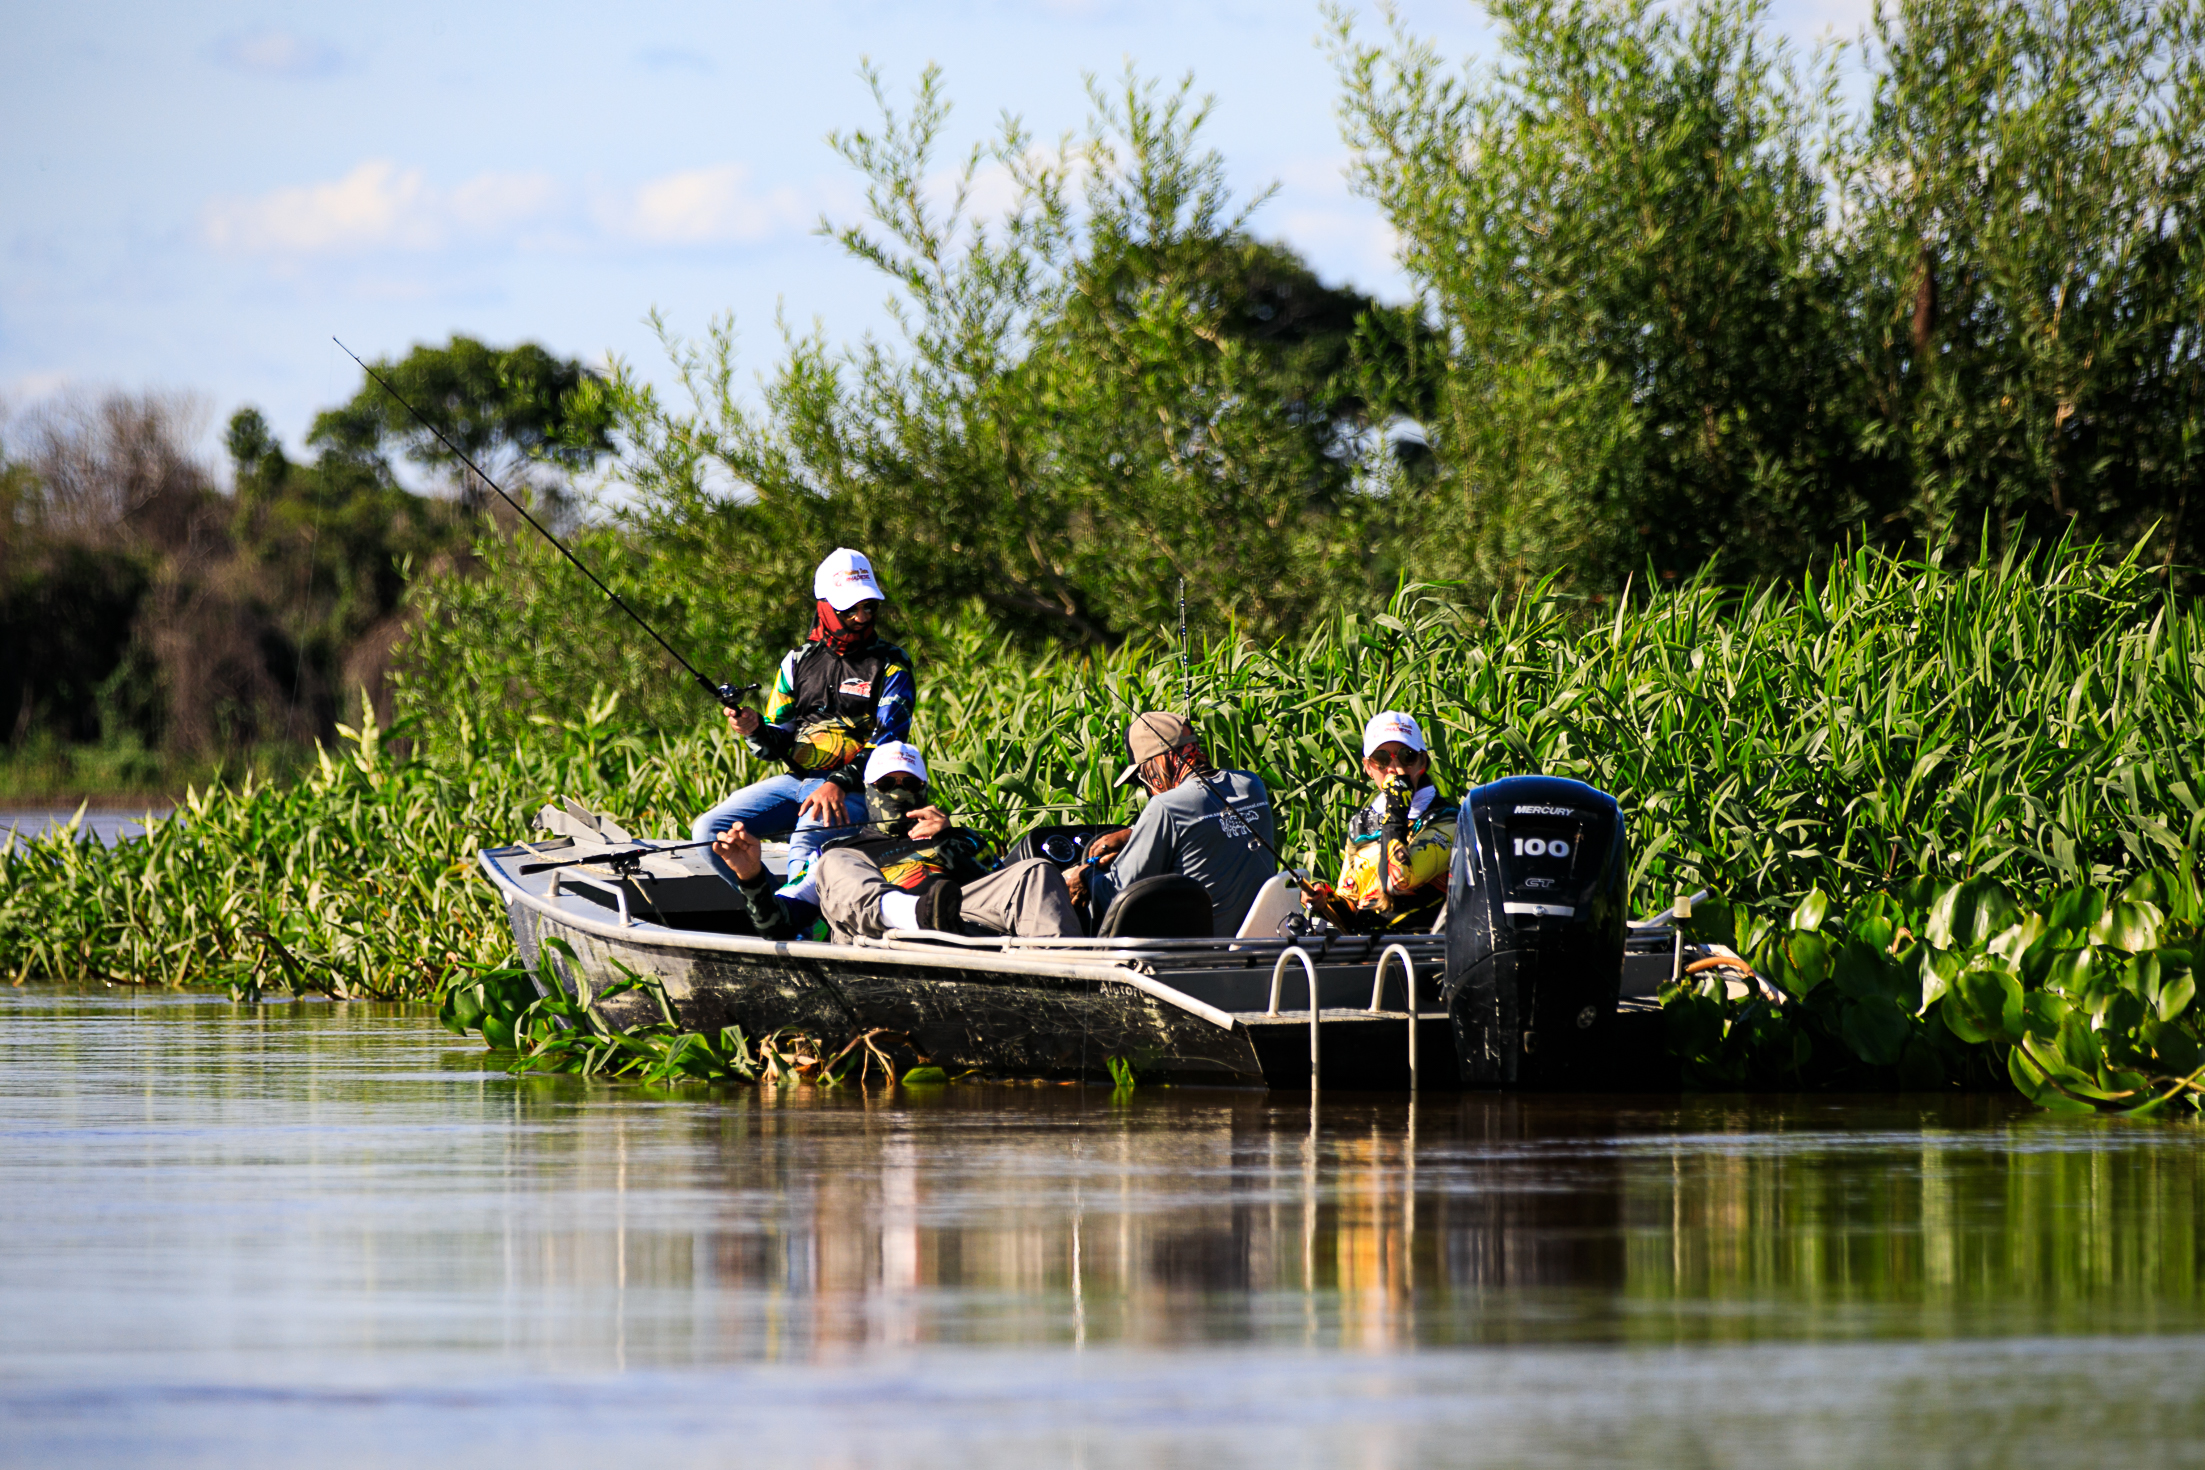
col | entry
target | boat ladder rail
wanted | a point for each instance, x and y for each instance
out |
(1392, 952)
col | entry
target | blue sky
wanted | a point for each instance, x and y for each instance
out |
(198, 197)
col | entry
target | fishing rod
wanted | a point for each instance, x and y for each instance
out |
(726, 694)
(626, 860)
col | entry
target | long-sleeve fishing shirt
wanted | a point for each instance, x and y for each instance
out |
(1186, 830)
(827, 711)
(1413, 858)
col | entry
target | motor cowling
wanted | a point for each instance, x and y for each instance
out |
(1535, 926)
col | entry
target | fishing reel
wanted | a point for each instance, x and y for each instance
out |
(1397, 796)
(731, 696)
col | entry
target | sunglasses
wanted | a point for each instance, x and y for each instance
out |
(900, 783)
(1387, 760)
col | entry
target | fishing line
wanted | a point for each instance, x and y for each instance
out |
(726, 694)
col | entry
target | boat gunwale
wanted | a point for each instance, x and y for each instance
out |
(969, 961)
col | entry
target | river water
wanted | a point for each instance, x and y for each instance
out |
(108, 824)
(326, 1234)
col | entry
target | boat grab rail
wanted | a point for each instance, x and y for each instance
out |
(1126, 972)
(619, 891)
(1309, 971)
(1408, 996)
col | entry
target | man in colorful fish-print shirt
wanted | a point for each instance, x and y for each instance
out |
(1394, 872)
(910, 870)
(835, 699)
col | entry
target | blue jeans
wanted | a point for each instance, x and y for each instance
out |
(769, 807)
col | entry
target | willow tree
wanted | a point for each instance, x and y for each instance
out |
(1621, 226)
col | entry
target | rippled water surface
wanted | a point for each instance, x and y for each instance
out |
(322, 1234)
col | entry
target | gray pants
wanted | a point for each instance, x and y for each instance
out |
(1026, 898)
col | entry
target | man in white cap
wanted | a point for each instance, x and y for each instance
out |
(1394, 872)
(911, 869)
(1199, 821)
(837, 697)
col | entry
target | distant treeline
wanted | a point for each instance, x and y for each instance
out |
(1677, 310)
(142, 608)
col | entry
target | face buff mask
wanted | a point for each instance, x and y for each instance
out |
(841, 639)
(894, 803)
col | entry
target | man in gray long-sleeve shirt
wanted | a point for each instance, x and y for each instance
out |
(1184, 828)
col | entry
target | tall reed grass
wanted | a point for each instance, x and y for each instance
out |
(2030, 719)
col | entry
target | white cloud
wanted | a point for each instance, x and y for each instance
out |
(378, 206)
(279, 54)
(30, 387)
(706, 206)
(384, 208)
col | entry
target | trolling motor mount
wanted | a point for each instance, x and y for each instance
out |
(1535, 925)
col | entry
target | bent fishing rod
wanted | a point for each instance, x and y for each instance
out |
(727, 694)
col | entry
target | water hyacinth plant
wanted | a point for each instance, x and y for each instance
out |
(2082, 999)
(532, 1020)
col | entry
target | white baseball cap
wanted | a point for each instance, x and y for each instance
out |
(893, 756)
(1389, 726)
(845, 579)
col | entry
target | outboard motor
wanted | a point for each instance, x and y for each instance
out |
(1535, 921)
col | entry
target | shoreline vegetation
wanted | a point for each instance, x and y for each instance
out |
(1832, 759)
(1819, 482)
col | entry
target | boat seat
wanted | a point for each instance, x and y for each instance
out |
(1167, 906)
(1278, 900)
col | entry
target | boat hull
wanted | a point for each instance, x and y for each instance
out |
(1185, 1012)
(957, 1018)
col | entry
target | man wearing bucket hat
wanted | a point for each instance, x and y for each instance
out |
(836, 698)
(911, 869)
(1394, 872)
(1199, 821)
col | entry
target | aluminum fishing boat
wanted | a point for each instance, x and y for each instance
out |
(1531, 978)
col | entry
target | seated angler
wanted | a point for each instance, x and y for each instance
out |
(845, 691)
(1199, 821)
(911, 869)
(1394, 872)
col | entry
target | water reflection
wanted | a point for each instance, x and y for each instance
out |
(992, 1214)
(210, 1196)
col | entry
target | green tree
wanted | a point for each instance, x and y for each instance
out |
(2031, 203)
(1622, 228)
(1109, 388)
(508, 409)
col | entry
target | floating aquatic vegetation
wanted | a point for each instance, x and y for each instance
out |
(1881, 731)
(544, 1029)
(2084, 999)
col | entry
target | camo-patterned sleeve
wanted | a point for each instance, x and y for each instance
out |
(777, 731)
